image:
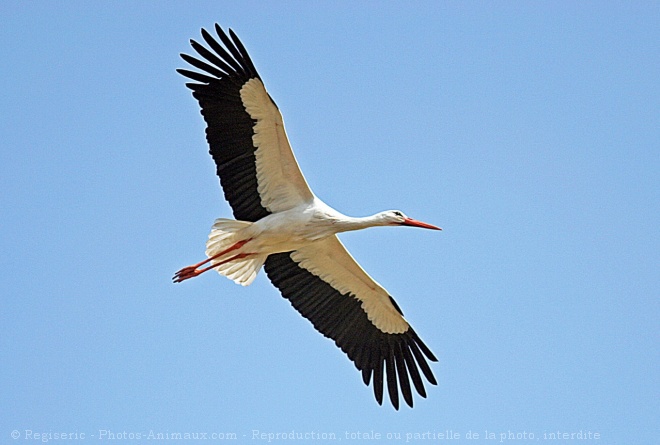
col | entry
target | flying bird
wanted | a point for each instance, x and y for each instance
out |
(283, 226)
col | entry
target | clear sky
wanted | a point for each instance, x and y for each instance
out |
(529, 131)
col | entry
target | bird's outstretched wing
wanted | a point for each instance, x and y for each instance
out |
(257, 169)
(328, 287)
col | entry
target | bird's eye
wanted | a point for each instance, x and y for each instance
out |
(398, 214)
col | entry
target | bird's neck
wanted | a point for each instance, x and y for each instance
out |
(332, 221)
(349, 223)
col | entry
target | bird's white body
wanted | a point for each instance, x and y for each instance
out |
(278, 232)
(293, 228)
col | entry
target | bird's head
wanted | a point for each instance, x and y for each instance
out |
(398, 218)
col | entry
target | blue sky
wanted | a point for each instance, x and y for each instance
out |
(529, 131)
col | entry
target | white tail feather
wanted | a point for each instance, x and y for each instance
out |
(224, 234)
(242, 272)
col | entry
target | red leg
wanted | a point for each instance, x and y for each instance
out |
(193, 271)
(187, 273)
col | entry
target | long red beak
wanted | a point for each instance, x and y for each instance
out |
(415, 223)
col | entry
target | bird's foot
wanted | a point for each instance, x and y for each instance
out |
(186, 273)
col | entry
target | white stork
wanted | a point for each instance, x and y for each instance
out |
(283, 226)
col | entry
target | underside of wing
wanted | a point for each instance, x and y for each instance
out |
(245, 131)
(325, 284)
